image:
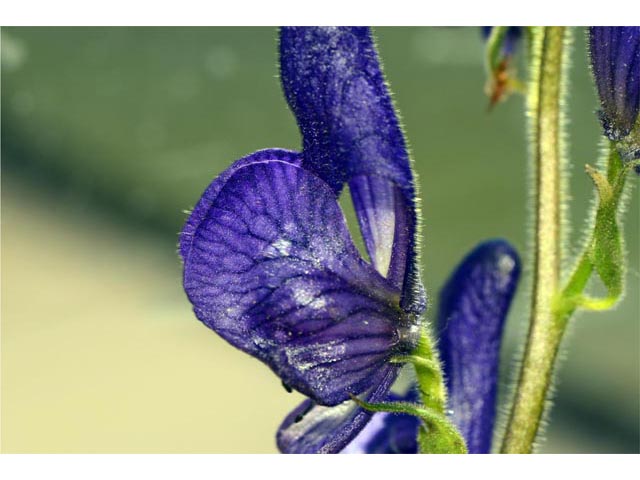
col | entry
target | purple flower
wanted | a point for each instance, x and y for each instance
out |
(615, 59)
(473, 307)
(270, 266)
(269, 263)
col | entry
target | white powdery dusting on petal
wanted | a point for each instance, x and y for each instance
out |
(323, 417)
(506, 264)
(280, 248)
(318, 303)
(306, 357)
(303, 296)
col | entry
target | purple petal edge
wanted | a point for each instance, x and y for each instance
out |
(199, 211)
(312, 428)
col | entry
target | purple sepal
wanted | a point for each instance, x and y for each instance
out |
(312, 428)
(332, 80)
(389, 432)
(271, 267)
(615, 59)
(473, 307)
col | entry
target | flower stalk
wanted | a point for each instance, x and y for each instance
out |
(546, 91)
(554, 304)
(438, 435)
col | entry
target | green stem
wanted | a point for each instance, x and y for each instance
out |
(545, 330)
(429, 375)
(440, 435)
(571, 296)
(437, 434)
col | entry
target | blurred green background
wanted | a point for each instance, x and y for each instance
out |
(110, 134)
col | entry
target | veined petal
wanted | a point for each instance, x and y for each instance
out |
(333, 82)
(473, 307)
(389, 432)
(273, 270)
(312, 428)
(385, 224)
(615, 58)
(202, 207)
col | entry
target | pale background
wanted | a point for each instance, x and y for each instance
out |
(109, 134)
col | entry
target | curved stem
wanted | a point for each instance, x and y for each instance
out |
(437, 434)
(610, 191)
(441, 437)
(545, 329)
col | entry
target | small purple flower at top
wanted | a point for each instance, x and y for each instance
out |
(615, 61)
(474, 305)
(511, 40)
(269, 263)
(501, 81)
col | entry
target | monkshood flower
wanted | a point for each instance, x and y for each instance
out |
(615, 61)
(269, 263)
(474, 304)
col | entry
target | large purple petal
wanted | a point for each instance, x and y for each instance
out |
(615, 58)
(389, 432)
(334, 84)
(273, 270)
(312, 428)
(473, 306)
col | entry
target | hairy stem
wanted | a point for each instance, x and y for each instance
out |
(429, 375)
(545, 329)
(440, 435)
(610, 198)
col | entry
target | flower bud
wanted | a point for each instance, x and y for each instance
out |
(501, 45)
(511, 39)
(615, 61)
